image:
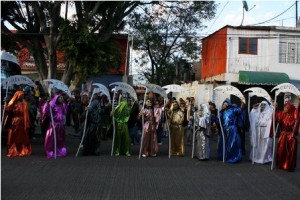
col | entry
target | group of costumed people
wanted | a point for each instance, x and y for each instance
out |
(17, 121)
(230, 122)
(262, 134)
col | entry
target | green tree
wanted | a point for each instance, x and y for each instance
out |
(165, 32)
(39, 22)
(88, 43)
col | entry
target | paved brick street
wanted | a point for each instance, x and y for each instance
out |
(106, 177)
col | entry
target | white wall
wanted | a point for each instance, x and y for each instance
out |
(203, 93)
(247, 62)
(291, 69)
(267, 58)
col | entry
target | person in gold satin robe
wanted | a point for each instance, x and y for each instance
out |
(18, 142)
(176, 117)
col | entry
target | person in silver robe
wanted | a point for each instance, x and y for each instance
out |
(260, 128)
(202, 132)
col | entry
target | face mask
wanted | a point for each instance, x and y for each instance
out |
(60, 99)
(262, 107)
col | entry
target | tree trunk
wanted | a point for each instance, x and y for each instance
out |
(68, 73)
(39, 59)
(52, 70)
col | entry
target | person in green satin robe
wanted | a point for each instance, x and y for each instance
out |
(122, 142)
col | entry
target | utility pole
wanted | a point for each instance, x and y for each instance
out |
(296, 13)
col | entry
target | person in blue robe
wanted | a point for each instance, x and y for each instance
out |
(229, 121)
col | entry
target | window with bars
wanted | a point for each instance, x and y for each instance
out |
(248, 45)
(289, 49)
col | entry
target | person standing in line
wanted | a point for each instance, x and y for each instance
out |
(286, 155)
(261, 121)
(243, 126)
(133, 124)
(106, 119)
(165, 120)
(92, 139)
(176, 117)
(228, 117)
(188, 130)
(59, 111)
(149, 145)
(122, 142)
(202, 120)
(17, 121)
(32, 110)
(214, 121)
(158, 117)
(75, 113)
(183, 108)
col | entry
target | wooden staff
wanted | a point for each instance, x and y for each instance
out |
(6, 92)
(143, 121)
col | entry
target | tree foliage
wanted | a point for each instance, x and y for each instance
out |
(165, 32)
(41, 22)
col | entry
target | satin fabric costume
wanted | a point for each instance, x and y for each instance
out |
(228, 117)
(18, 142)
(122, 136)
(59, 111)
(261, 143)
(176, 117)
(45, 120)
(91, 141)
(202, 121)
(286, 156)
(149, 145)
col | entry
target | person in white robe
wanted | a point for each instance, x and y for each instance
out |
(260, 128)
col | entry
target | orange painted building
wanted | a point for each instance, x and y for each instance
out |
(214, 53)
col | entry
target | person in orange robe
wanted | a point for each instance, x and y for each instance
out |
(286, 156)
(18, 142)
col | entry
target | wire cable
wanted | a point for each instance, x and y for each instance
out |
(273, 17)
(217, 17)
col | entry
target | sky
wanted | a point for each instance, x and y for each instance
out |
(277, 13)
(231, 13)
(282, 13)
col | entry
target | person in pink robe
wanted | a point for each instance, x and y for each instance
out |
(149, 141)
(59, 111)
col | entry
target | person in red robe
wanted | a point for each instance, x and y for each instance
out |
(18, 142)
(286, 156)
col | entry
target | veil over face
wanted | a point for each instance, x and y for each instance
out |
(264, 106)
(17, 96)
(290, 108)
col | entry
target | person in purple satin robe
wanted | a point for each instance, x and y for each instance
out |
(59, 111)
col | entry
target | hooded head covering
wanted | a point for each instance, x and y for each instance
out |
(54, 100)
(17, 96)
(290, 107)
(228, 102)
(267, 108)
(175, 102)
(205, 108)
